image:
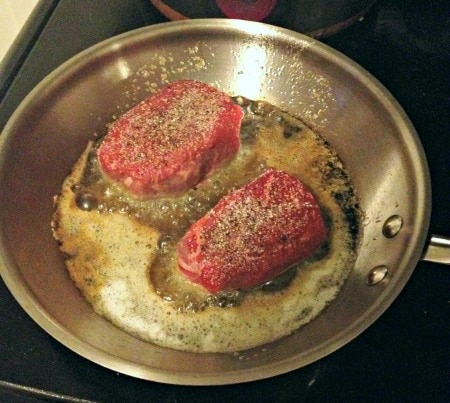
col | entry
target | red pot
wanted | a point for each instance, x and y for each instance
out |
(317, 18)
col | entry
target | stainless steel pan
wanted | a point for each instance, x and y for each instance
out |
(354, 112)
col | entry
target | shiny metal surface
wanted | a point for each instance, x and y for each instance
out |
(392, 226)
(437, 250)
(376, 275)
(353, 111)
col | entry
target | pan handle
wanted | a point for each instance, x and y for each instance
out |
(437, 250)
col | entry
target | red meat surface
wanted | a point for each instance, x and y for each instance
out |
(253, 235)
(171, 140)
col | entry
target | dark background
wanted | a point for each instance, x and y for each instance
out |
(403, 357)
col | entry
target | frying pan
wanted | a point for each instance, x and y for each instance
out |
(354, 112)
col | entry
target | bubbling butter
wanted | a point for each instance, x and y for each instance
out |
(121, 252)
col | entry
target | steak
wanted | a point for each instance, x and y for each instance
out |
(171, 140)
(253, 235)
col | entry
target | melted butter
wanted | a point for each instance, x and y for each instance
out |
(269, 138)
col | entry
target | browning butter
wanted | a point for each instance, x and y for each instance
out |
(121, 252)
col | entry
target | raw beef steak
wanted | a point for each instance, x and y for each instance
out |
(253, 234)
(172, 140)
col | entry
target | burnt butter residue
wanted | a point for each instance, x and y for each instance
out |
(270, 137)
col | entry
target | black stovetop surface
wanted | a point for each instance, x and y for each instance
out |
(403, 357)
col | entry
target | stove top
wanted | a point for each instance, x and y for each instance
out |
(402, 357)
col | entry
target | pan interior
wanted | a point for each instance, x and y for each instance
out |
(350, 108)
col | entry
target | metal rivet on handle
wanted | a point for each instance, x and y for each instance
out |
(392, 226)
(376, 275)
